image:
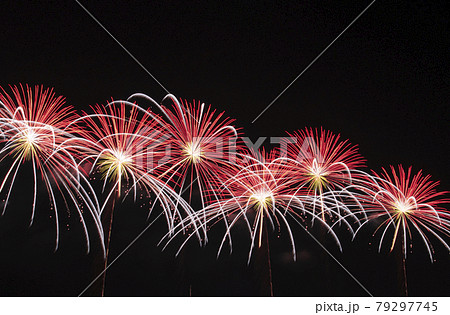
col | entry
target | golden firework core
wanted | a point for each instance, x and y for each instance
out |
(28, 143)
(114, 164)
(402, 207)
(193, 152)
(317, 176)
(262, 198)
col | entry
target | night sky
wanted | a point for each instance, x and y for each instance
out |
(384, 84)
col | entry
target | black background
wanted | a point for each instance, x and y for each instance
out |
(383, 84)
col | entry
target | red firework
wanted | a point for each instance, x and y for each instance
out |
(123, 143)
(322, 164)
(36, 106)
(33, 123)
(407, 202)
(201, 146)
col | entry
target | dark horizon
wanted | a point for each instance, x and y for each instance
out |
(384, 85)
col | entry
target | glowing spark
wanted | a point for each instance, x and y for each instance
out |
(318, 177)
(30, 137)
(114, 163)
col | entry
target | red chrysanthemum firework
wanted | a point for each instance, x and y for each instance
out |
(33, 123)
(201, 146)
(123, 143)
(407, 202)
(322, 164)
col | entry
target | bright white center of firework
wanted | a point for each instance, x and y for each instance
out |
(318, 177)
(317, 171)
(402, 207)
(122, 158)
(262, 198)
(30, 137)
(193, 151)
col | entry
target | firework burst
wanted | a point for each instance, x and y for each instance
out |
(202, 146)
(123, 142)
(406, 202)
(323, 166)
(33, 123)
